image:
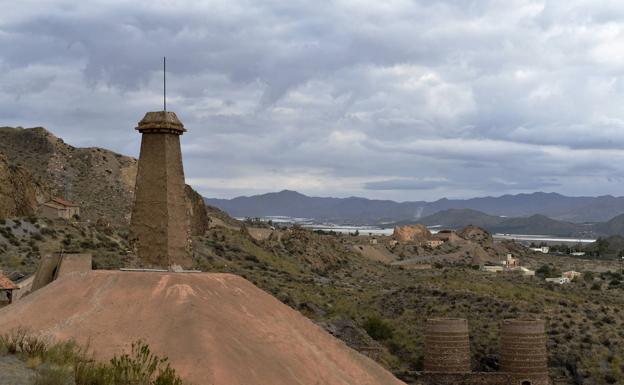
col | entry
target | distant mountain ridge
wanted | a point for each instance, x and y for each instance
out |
(356, 210)
(535, 224)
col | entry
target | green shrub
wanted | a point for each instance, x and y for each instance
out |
(48, 231)
(20, 341)
(67, 363)
(54, 375)
(378, 328)
(90, 373)
(142, 367)
(548, 271)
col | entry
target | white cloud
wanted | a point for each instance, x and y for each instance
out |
(489, 97)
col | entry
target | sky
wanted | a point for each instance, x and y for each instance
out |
(394, 99)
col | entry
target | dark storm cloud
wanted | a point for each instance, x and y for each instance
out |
(395, 99)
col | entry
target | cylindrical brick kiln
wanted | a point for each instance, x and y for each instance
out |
(447, 346)
(523, 351)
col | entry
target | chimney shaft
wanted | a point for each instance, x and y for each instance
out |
(447, 346)
(523, 351)
(160, 224)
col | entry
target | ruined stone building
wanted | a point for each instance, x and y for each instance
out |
(54, 266)
(160, 225)
(523, 358)
(6, 290)
(59, 208)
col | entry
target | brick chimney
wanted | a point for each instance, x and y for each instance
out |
(160, 224)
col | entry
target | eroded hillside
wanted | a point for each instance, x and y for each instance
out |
(19, 192)
(100, 180)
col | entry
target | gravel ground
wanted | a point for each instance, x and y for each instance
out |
(14, 372)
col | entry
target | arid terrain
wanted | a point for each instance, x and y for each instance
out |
(373, 293)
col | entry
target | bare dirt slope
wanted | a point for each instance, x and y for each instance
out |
(216, 328)
(379, 253)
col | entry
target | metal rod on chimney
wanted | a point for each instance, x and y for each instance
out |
(165, 83)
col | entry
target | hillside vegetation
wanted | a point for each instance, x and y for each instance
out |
(372, 305)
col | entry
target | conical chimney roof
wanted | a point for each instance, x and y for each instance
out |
(161, 122)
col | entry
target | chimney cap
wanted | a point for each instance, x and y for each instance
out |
(161, 122)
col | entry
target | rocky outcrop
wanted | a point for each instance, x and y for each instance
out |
(475, 234)
(197, 211)
(410, 233)
(18, 191)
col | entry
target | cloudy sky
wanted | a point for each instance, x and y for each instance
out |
(405, 100)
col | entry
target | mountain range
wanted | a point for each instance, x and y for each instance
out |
(534, 224)
(536, 213)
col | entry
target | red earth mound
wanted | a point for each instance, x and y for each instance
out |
(216, 329)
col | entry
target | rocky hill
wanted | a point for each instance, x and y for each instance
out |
(613, 226)
(100, 180)
(539, 224)
(456, 218)
(19, 192)
(534, 224)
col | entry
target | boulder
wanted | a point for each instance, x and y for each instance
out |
(475, 234)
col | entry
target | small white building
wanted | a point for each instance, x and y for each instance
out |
(492, 269)
(559, 280)
(511, 262)
(543, 249)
